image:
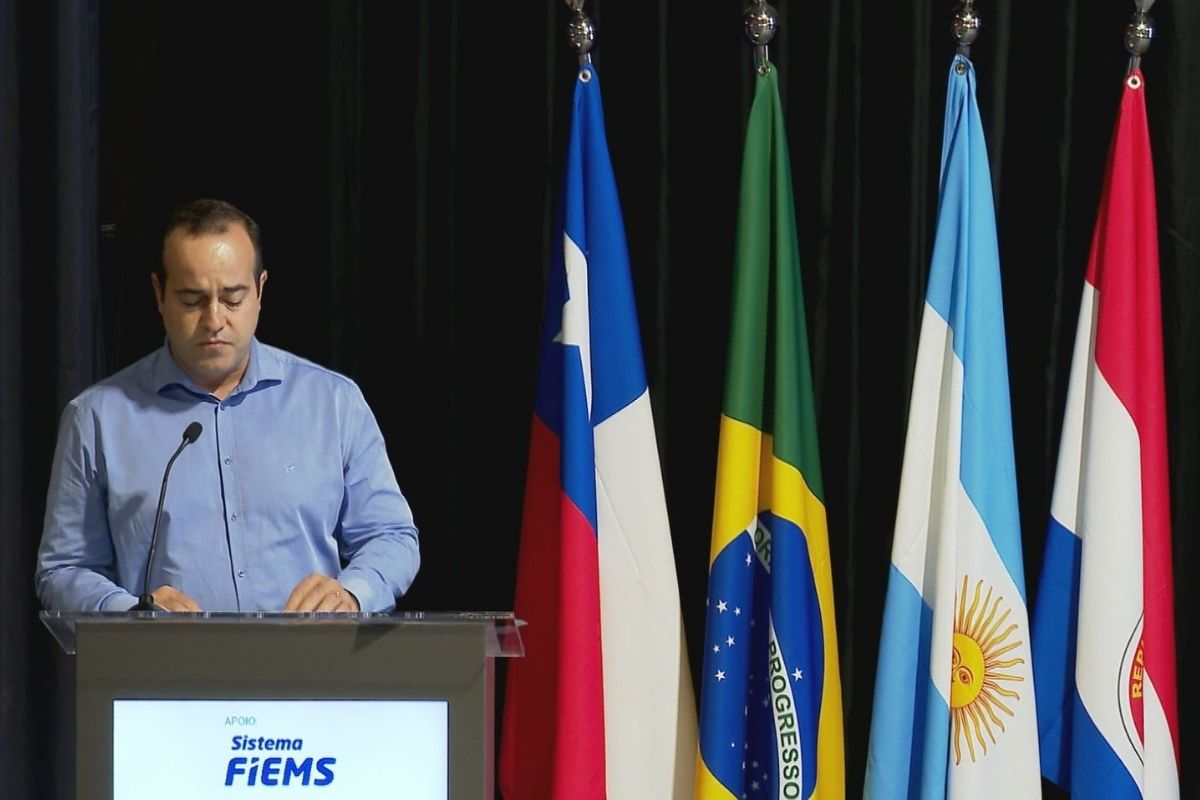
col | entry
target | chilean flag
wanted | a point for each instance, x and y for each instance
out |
(1103, 629)
(602, 703)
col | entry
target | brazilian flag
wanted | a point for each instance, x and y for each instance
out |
(771, 708)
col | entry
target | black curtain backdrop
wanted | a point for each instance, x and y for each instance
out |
(404, 162)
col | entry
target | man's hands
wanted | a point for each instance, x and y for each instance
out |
(320, 593)
(171, 599)
(314, 593)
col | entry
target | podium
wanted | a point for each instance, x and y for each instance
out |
(223, 703)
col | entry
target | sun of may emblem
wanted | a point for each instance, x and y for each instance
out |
(976, 674)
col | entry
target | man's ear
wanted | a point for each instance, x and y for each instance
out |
(262, 281)
(158, 289)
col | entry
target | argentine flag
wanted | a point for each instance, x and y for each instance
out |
(1104, 643)
(954, 712)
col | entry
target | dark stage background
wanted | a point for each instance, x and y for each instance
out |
(403, 159)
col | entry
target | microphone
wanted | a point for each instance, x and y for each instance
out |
(145, 601)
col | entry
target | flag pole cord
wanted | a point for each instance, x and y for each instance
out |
(581, 33)
(760, 21)
(964, 25)
(1139, 30)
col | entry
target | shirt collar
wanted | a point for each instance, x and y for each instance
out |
(263, 370)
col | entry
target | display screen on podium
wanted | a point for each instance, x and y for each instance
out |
(353, 749)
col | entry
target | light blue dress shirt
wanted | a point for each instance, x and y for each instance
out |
(290, 476)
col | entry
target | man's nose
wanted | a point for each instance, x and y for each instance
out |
(212, 318)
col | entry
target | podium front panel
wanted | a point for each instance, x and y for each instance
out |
(304, 660)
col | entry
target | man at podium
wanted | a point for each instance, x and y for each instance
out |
(281, 496)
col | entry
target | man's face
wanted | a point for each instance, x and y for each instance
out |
(210, 305)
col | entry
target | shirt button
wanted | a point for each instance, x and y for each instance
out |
(241, 573)
(233, 516)
(228, 460)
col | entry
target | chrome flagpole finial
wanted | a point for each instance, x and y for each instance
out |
(964, 26)
(581, 33)
(1139, 30)
(760, 21)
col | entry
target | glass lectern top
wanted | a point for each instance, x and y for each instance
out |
(501, 627)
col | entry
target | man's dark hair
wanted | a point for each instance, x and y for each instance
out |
(204, 216)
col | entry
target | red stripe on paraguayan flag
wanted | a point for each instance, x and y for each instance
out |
(601, 705)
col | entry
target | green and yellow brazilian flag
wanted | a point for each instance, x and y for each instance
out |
(771, 708)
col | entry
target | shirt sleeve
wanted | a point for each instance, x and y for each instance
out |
(376, 533)
(76, 568)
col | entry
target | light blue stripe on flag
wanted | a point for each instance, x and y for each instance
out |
(966, 280)
(907, 708)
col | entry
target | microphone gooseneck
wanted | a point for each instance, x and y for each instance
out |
(145, 600)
